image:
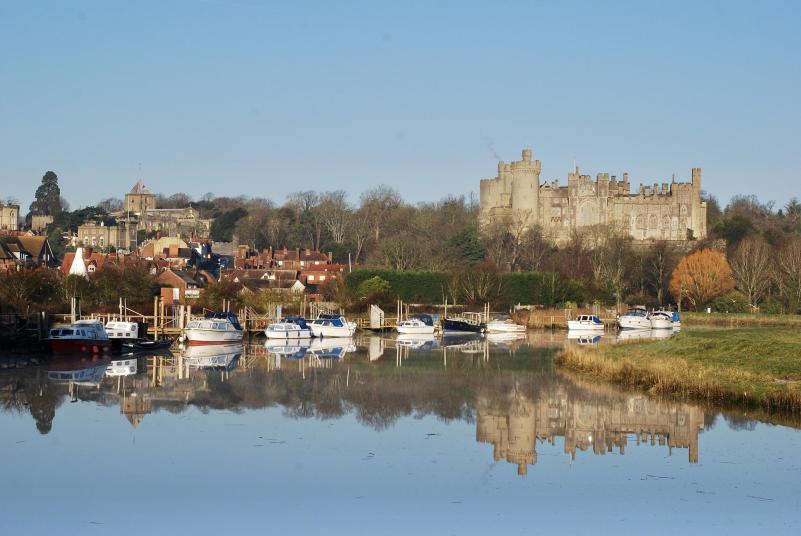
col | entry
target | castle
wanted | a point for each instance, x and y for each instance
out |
(670, 211)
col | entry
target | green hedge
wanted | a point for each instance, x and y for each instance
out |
(413, 287)
(542, 288)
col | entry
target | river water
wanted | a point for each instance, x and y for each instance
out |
(378, 434)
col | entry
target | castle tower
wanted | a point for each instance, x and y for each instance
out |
(525, 189)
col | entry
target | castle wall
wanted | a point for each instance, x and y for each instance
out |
(666, 211)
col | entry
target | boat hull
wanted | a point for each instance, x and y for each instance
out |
(415, 330)
(575, 325)
(79, 346)
(210, 336)
(288, 335)
(661, 323)
(460, 326)
(633, 322)
(332, 331)
(505, 327)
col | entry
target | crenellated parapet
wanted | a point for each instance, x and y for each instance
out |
(656, 211)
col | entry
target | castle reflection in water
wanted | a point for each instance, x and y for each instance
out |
(514, 407)
(515, 424)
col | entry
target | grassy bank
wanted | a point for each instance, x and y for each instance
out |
(740, 320)
(752, 367)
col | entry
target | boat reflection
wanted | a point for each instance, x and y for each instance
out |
(415, 341)
(77, 370)
(122, 367)
(518, 403)
(212, 356)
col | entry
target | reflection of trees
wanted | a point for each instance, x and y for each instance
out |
(28, 391)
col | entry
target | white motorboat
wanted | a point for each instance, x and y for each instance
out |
(123, 330)
(289, 328)
(674, 317)
(635, 318)
(418, 324)
(661, 320)
(216, 328)
(332, 326)
(84, 336)
(585, 323)
(504, 326)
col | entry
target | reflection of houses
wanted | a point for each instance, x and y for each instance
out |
(514, 424)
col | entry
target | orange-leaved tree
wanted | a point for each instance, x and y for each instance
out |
(701, 277)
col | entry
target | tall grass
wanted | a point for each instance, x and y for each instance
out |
(750, 367)
(740, 320)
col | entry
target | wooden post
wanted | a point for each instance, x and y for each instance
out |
(155, 319)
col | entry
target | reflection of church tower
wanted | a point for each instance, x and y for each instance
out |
(135, 408)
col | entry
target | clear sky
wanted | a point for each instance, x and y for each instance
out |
(265, 98)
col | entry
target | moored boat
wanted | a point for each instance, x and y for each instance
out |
(468, 323)
(332, 326)
(84, 336)
(585, 323)
(289, 328)
(215, 328)
(507, 325)
(635, 318)
(662, 320)
(417, 324)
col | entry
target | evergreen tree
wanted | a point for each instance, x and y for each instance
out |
(48, 196)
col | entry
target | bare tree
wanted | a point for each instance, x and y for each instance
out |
(334, 212)
(788, 272)
(751, 266)
(377, 203)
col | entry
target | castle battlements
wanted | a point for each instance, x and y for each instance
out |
(657, 211)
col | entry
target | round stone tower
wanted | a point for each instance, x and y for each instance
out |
(525, 189)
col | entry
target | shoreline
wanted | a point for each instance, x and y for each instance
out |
(742, 368)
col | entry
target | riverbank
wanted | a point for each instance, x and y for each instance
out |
(751, 367)
(740, 320)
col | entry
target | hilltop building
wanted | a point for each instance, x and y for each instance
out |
(140, 214)
(9, 217)
(670, 211)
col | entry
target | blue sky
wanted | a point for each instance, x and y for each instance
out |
(266, 98)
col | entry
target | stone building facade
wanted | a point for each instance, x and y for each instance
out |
(140, 214)
(666, 211)
(9, 217)
(98, 235)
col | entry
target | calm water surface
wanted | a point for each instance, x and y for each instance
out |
(392, 436)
